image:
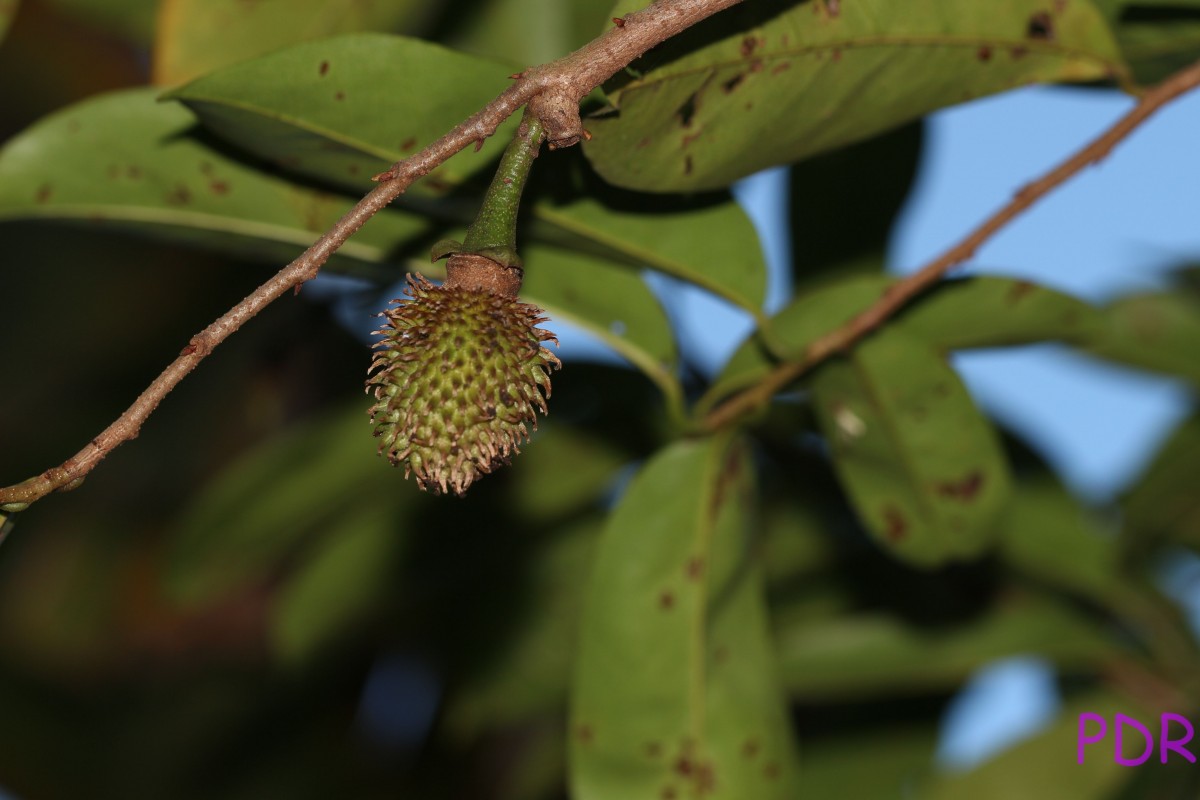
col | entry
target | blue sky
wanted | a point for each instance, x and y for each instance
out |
(1115, 229)
(1118, 228)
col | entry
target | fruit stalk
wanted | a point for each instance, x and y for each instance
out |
(487, 258)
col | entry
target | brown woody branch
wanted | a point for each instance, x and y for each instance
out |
(552, 91)
(900, 293)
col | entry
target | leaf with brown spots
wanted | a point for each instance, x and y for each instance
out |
(853, 69)
(275, 108)
(143, 172)
(333, 104)
(921, 465)
(694, 676)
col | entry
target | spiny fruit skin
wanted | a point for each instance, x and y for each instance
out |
(458, 379)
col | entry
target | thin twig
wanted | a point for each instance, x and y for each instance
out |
(900, 293)
(552, 91)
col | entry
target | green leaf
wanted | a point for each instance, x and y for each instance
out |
(711, 245)
(757, 85)
(334, 109)
(998, 312)
(795, 544)
(339, 584)
(278, 498)
(804, 320)
(923, 468)
(954, 315)
(613, 304)
(860, 655)
(1044, 522)
(674, 689)
(1163, 505)
(271, 108)
(197, 36)
(1160, 332)
(1157, 37)
(125, 162)
(1044, 767)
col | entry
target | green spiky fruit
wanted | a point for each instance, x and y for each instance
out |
(458, 380)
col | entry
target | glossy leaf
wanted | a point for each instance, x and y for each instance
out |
(333, 108)
(1157, 37)
(711, 245)
(1160, 332)
(282, 107)
(126, 162)
(1164, 504)
(865, 655)
(764, 84)
(340, 583)
(613, 304)
(955, 315)
(674, 689)
(276, 500)
(923, 467)
(197, 36)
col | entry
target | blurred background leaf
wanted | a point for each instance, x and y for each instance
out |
(1156, 37)
(194, 37)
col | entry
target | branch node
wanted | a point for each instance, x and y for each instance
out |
(558, 111)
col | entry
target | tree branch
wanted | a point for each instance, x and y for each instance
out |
(553, 92)
(899, 294)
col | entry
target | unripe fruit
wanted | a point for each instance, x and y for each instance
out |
(458, 380)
